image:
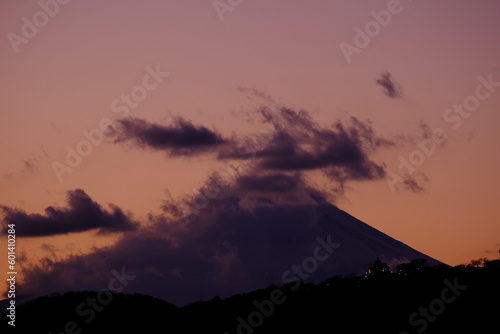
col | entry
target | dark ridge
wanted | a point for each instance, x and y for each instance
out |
(380, 302)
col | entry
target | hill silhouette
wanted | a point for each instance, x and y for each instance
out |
(439, 299)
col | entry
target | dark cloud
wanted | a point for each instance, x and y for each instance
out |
(82, 214)
(288, 141)
(391, 88)
(295, 143)
(181, 138)
(315, 148)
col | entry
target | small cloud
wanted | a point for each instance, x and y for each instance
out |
(411, 184)
(30, 164)
(391, 88)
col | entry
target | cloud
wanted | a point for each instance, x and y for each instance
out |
(410, 183)
(82, 214)
(288, 141)
(255, 94)
(293, 142)
(31, 164)
(391, 88)
(182, 138)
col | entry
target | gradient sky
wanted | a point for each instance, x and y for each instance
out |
(64, 80)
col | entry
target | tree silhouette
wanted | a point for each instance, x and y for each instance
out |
(411, 267)
(478, 263)
(378, 267)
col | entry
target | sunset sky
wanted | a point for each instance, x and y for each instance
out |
(184, 82)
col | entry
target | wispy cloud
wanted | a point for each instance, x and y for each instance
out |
(31, 164)
(391, 88)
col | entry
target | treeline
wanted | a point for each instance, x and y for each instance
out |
(414, 299)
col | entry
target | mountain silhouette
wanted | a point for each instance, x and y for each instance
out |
(227, 250)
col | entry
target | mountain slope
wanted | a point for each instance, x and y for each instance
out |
(362, 243)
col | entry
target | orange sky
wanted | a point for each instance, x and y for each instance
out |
(65, 79)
